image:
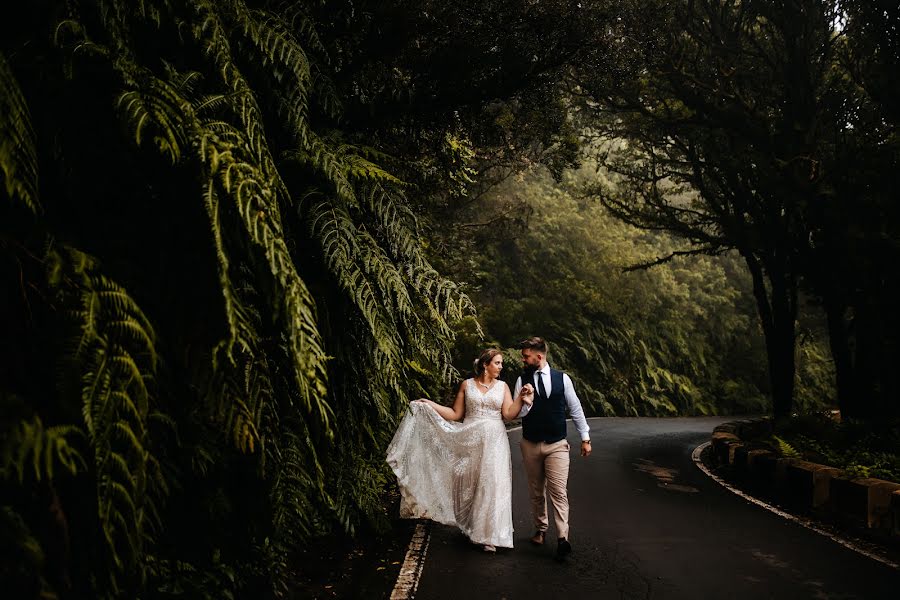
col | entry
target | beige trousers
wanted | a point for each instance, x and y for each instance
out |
(547, 467)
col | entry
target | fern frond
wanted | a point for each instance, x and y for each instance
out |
(297, 20)
(361, 169)
(276, 46)
(785, 448)
(18, 155)
(148, 114)
(296, 495)
(116, 352)
(240, 327)
(335, 229)
(30, 449)
(320, 156)
(256, 203)
(210, 32)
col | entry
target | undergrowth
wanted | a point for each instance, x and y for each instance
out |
(861, 449)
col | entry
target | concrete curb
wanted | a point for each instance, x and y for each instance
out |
(867, 503)
(858, 546)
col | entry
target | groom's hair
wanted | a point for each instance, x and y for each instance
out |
(534, 343)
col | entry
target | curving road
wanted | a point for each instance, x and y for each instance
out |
(647, 523)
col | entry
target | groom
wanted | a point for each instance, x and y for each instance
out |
(545, 451)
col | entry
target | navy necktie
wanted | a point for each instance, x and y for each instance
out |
(540, 381)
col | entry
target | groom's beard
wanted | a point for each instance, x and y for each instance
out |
(528, 371)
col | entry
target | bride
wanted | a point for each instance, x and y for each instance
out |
(460, 473)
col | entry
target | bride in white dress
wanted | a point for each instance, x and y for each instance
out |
(460, 473)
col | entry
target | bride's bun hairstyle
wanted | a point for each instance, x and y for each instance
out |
(486, 357)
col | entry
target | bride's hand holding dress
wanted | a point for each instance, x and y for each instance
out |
(449, 413)
(460, 473)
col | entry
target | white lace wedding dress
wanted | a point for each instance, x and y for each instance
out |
(457, 473)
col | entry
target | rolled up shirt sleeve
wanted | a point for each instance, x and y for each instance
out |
(525, 407)
(575, 409)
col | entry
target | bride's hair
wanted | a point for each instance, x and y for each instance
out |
(486, 357)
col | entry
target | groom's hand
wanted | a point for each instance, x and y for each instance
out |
(527, 394)
(586, 447)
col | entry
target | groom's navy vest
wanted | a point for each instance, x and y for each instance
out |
(546, 421)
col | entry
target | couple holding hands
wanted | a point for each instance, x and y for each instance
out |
(453, 462)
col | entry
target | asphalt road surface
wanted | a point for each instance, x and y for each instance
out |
(647, 523)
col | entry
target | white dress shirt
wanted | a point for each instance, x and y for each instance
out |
(574, 404)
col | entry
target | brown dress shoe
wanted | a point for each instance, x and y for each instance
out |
(538, 538)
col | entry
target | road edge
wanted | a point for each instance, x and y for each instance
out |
(411, 570)
(408, 578)
(803, 522)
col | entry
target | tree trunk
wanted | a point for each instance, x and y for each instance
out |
(777, 312)
(868, 329)
(839, 342)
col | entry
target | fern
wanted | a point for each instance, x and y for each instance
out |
(325, 290)
(115, 351)
(786, 449)
(296, 493)
(280, 53)
(228, 155)
(32, 450)
(258, 208)
(343, 251)
(18, 158)
(238, 167)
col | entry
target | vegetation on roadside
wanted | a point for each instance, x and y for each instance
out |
(860, 449)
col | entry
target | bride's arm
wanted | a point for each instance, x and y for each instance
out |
(512, 407)
(454, 413)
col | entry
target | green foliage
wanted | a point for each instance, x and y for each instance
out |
(35, 452)
(785, 449)
(815, 375)
(181, 579)
(116, 357)
(856, 447)
(229, 283)
(18, 159)
(768, 129)
(460, 156)
(675, 340)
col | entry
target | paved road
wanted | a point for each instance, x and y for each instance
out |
(647, 523)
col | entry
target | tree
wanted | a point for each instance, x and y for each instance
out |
(855, 231)
(729, 109)
(680, 339)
